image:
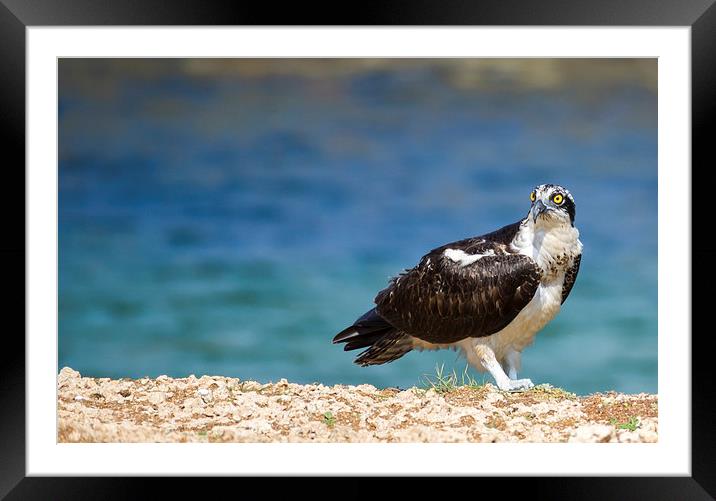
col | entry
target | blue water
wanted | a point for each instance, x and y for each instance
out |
(232, 225)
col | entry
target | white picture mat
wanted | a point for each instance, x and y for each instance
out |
(672, 453)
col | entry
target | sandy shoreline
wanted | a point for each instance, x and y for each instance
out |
(220, 409)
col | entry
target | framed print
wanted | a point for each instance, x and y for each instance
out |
(220, 201)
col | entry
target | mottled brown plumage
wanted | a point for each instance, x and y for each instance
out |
(570, 277)
(440, 301)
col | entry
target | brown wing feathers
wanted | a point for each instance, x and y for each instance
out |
(570, 277)
(441, 301)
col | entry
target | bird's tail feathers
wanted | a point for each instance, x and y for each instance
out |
(389, 347)
(370, 325)
(385, 343)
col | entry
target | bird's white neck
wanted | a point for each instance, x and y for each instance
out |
(552, 245)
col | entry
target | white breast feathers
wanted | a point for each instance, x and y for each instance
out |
(552, 248)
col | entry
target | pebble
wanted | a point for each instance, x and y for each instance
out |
(592, 433)
(157, 397)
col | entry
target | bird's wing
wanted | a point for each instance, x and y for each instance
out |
(444, 299)
(570, 277)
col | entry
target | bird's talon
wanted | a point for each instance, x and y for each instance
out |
(518, 385)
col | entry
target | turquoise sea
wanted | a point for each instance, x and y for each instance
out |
(229, 218)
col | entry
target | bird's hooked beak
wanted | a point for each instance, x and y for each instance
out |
(538, 209)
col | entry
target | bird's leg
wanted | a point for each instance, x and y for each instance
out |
(504, 382)
(512, 361)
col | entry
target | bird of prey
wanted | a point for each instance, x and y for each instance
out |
(486, 296)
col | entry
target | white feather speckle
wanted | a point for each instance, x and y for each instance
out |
(463, 258)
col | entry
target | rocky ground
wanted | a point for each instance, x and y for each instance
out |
(220, 409)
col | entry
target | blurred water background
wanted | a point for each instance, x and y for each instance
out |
(228, 217)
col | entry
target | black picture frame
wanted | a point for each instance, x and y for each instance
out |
(17, 15)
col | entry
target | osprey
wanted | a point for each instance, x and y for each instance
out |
(486, 296)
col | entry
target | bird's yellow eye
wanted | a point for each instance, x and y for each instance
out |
(533, 196)
(558, 199)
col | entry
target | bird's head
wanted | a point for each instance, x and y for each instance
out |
(551, 205)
